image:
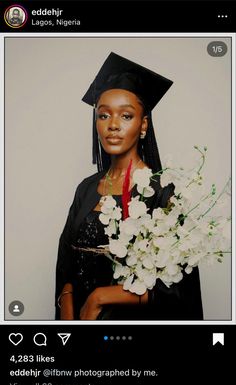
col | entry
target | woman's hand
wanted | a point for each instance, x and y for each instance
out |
(109, 295)
(92, 307)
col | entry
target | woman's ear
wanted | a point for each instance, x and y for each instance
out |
(144, 127)
(145, 123)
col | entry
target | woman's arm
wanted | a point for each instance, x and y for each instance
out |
(109, 295)
(65, 260)
(66, 303)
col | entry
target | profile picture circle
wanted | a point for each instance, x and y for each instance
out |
(15, 16)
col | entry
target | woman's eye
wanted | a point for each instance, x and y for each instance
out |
(103, 116)
(127, 116)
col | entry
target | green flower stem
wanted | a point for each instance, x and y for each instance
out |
(117, 228)
(142, 195)
(203, 157)
(216, 200)
(195, 207)
(193, 228)
(192, 209)
(111, 259)
(159, 172)
(218, 253)
(221, 252)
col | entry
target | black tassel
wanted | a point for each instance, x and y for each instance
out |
(150, 149)
(95, 138)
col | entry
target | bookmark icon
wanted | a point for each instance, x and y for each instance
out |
(64, 337)
(218, 338)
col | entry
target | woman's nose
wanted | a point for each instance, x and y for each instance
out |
(114, 125)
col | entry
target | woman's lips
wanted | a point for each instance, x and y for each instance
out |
(114, 139)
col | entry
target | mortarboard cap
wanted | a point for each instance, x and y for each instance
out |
(118, 72)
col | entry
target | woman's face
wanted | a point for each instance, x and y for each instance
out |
(120, 121)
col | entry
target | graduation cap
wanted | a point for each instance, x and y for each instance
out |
(118, 72)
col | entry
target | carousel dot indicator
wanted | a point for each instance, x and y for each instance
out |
(105, 338)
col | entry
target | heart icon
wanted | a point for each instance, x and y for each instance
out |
(15, 338)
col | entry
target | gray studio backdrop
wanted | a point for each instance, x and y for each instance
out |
(48, 136)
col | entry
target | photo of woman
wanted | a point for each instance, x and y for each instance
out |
(85, 116)
(123, 95)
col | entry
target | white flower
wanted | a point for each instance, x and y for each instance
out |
(176, 256)
(179, 185)
(157, 230)
(158, 214)
(107, 203)
(185, 245)
(188, 269)
(109, 210)
(150, 279)
(143, 244)
(163, 242)
(179, 206)
(182, 232)
(117, 248)
(144, 221)
(172, 269)
(128, 282)
(178, 277)
(148, 263)
(195, 259)
(161, 259)
(129, 226)
(111, 228)
(135, 245)
(125, 238)
(162, 245)
(138, 287)
(174, 200)
(105, 219)
(170, 219)
(116, 213)
(120, 271)
(137, 208)
(166, 178)
(131, 260)
(146, 191)
(166, 279)
(141, 177)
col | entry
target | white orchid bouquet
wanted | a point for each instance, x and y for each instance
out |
(163, 244)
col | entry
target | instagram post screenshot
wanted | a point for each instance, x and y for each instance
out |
(117, 246)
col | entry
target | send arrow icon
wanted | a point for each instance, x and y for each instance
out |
(64, 337)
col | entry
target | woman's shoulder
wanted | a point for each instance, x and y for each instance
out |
(88, 181)
(94, 177)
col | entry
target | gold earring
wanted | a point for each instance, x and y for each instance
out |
(143, 134)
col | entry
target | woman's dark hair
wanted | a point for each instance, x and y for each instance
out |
(147, 148)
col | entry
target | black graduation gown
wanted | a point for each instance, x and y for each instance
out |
(182, 301)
